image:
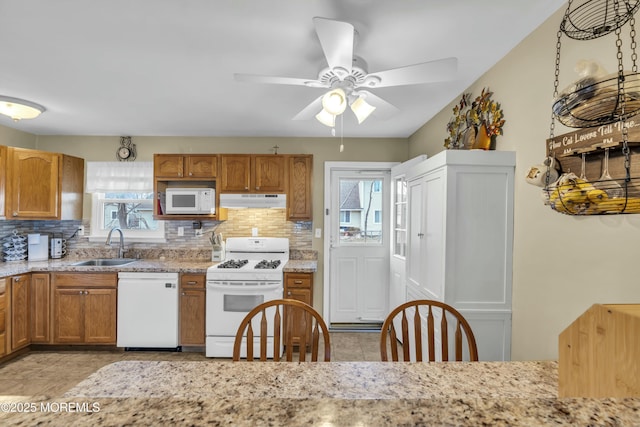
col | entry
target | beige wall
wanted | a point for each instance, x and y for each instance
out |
(15, 138)
(103, 148)
(562, 264)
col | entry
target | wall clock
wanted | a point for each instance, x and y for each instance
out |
(127, 150)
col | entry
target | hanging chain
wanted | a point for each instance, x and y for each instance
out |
(632, 35)
(556, 81)
(552, 127)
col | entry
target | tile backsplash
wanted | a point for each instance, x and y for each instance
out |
(240, 223)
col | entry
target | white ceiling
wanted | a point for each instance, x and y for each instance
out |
(165, 67)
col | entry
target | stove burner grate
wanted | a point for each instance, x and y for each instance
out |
(268, 264)
(233, 263)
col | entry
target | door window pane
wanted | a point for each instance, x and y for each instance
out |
(400, 215)
(361, 211)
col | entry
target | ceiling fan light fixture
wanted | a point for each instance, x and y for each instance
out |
(334, 101)
(19, 109)
(362, 109)
(326, 118)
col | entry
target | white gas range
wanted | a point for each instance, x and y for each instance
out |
(251, 275)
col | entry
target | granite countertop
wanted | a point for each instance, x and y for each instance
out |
(166, 265)
(327, 394)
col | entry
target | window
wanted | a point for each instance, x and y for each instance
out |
(345, 217)
(400, 214)
(377, 216)
(122, 197)
(377, 186)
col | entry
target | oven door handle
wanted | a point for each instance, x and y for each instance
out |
(218, 286)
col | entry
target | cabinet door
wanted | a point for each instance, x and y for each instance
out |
(33, 184)
(3, 180)
(3, 317)
(299, 286)
(192, 317)
(100, 316)
(20, 312)
(235, 173)
(168, 166)
(69, 315)
(299, 194)
(40, 308)
(269, 174)
(202, 166)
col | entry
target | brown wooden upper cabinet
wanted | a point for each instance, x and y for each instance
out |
(197, 166)
(42, 185)
(253, 173)
(299, 194)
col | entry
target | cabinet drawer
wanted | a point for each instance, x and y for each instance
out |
(85, 280)
(192, 281)
(298, 280)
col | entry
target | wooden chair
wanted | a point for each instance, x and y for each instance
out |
(283, 315)
(422, 308)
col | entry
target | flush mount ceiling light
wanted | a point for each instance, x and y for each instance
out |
(19, 109)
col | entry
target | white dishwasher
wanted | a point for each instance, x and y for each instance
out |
(147, 310)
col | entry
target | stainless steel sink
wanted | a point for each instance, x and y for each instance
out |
(105, 262)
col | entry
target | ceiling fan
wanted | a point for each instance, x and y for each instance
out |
(348, 79)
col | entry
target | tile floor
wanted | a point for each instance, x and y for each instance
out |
(42, 373)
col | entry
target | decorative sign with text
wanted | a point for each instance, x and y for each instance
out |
(591, 139)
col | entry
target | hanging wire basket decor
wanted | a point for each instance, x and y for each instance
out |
(590, 102)
(595, 18)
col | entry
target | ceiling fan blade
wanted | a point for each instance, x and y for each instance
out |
(336, 38)
(426, 72)
(383, 109)
(255, 78)
(310, 110)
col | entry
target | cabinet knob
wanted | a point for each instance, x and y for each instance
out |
(190, 173)
(298, 282)
(81, 292)
(421, 235)
(15, 213)
(257, 187)
(246, 188)
(289, 293)
(16, 279)
(192, 282)
(184, 294)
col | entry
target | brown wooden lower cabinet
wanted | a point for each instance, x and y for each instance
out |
(192, 309)
(84, 308)
(3, 317)
(299, 286)
(40, 295)
(20, 312)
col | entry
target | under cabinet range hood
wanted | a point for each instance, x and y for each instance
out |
(253, 201)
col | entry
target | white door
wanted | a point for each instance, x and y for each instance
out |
(357, 223)
(399, 225)
(425, 263)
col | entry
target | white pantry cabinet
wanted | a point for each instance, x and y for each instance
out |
(460, 240)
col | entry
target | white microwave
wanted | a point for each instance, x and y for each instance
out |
(190, 201)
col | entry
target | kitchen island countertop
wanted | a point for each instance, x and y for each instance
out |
(327, 394)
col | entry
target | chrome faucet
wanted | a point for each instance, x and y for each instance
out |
(121, 247)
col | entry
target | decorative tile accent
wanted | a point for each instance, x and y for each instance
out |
(269, 222)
